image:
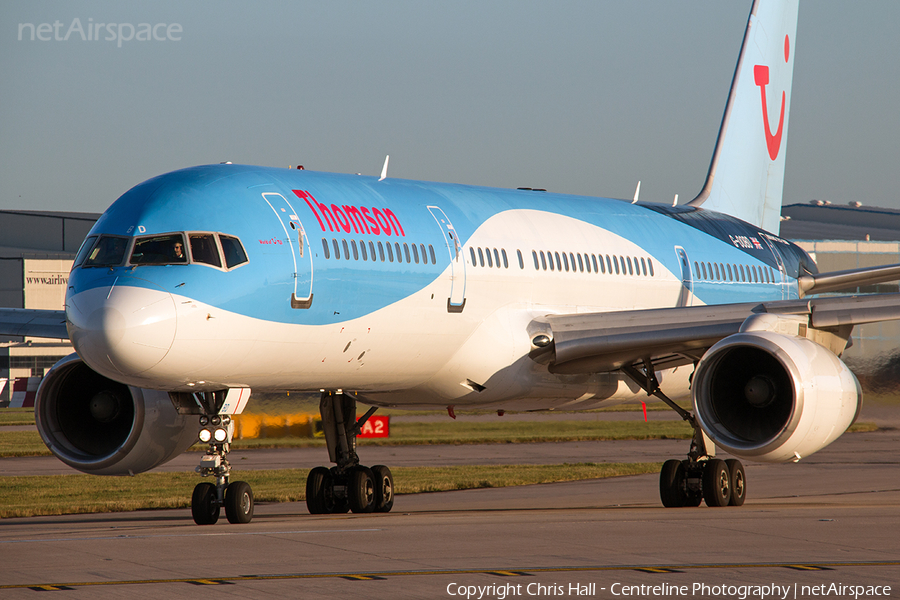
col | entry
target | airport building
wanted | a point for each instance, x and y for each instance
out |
(849, 236)
(37, 250)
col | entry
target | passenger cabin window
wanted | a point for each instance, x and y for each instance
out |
(159, 250)
(204, 249)
(108, 252)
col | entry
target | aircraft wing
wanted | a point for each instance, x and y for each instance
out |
(596, 342)
(33, 322)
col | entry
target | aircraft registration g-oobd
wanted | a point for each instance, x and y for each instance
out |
(198, 285)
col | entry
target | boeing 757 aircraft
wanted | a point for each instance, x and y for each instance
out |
(199, 285)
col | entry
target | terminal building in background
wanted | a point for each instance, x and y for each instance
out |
(36, 253)
(37, 250)
(846, 236)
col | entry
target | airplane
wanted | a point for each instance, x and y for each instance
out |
(197, 286)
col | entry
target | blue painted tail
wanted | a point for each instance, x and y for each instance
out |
(746, 175)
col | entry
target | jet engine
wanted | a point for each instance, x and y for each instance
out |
(102, 427)
(772, 397)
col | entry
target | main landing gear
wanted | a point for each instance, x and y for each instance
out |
(701, 477)
(348, 486)
(208, 498)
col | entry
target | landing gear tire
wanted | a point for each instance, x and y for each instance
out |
(361, 490)
(693, 495)
(384, 488)
(671, 484)
(348, 486)
(239, 502)
(205, 504)
(738, 481)
(319, 500)
(340, 504)
(716, 483)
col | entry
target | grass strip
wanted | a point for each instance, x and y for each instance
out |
(499, 432)
(28, 443)
(16, 416)
(27, 496)
(22, 443)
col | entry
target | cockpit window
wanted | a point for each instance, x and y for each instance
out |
(159, 250)
(86, 246)
(204, 249)
(107, 252)
(234, 251)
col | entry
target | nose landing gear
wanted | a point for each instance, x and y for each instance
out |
(217, 430)
(208, 498)
(348, 486)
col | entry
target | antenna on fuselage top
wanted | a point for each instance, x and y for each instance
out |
(637, 193)
(675, 201)
(384, 168)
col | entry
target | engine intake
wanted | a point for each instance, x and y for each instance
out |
(102, 427)
(773, 397)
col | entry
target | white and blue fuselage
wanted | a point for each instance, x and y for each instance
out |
(412, 293)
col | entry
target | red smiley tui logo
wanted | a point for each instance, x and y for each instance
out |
(761, 78)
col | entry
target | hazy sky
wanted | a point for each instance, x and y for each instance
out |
(579, 97)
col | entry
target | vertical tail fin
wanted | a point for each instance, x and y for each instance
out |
(746, 175)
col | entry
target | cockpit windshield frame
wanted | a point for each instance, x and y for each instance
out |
(210, 249)
(107, 251)
(160, 249)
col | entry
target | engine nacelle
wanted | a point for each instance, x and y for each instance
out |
(771, 397)
(102, 427)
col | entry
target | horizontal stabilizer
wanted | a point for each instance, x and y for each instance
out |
(836, 281)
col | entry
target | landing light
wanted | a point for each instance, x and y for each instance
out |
(221, 435)
(205, 435)
(541, 340)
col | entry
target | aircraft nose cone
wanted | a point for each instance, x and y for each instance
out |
(125, 328)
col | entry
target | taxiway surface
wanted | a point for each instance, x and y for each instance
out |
(833, 518)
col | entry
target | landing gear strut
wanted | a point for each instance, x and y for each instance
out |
(348, 486)
(208, 498)
(701, 477)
